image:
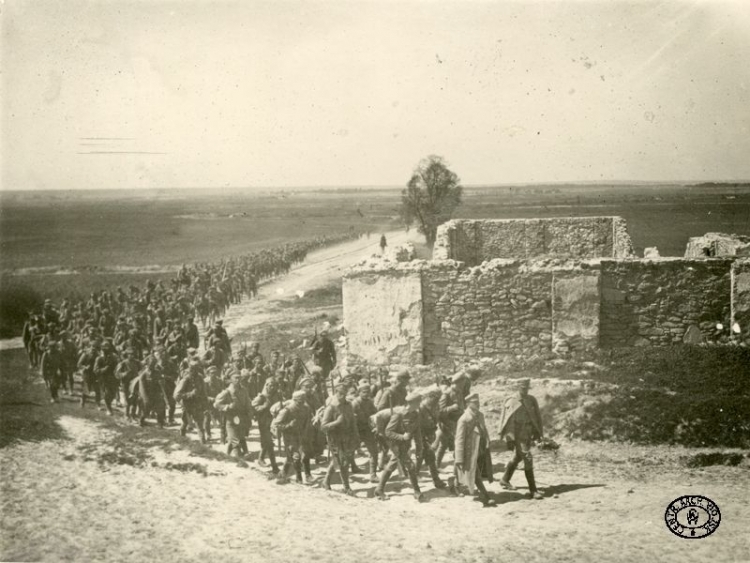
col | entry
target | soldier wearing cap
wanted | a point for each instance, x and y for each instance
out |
(471, 454)
(340, 426)
(293, 421)
(151, 395)
(452, 405)
(51, 369)
(520, 425)
(403, 427)
(170, 375)
(86, 366)
(364, 408)
(126, 371)
(315, 440)
(429, 412)
(324, 353)
(68, 360)
(215, 355)
(234, 403)
(262, 405)
(214, 386)
(191, 391)
(395, 395)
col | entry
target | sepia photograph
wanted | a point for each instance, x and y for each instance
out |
(428, 281)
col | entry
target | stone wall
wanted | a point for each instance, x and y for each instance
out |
(581, 238)
(741, 300)
(717, 244)
(655, 302)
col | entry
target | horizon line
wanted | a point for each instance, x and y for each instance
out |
(325, 187)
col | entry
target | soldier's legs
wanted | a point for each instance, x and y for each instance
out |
(429, 458)
(110, 391)
(372, 452)
(384, 476)
(207, 423)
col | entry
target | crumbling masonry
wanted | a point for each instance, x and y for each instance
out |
(539, 287)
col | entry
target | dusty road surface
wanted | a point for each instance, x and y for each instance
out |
(78, 485)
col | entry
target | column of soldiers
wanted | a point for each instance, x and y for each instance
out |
(140, 351)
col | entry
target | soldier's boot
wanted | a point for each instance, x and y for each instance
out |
(415, 485)
(452, 489)
(436, 480)
(202, 435)
(507, 476)
(308, 471)
(329, 475)
(373, 473)
(274, 465)
(533, 492)
(380, 489)
(298, 471)
(439, 455)
(345, 481)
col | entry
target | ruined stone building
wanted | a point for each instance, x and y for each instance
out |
(539, 287)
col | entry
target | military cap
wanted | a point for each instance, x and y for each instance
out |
(316, 369)
(340, 384)
(244, 372)
(403, 375)
(297, 395)
(219, 322)
(192, 351)
(211, 369)
(472, 398)
(457, 376)
(432, 392)
(107, 345)
(306, 381)
(363, 385)
(324, 332)
(525, 382)
(413, 397)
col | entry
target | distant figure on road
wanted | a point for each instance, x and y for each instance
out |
(383, 244)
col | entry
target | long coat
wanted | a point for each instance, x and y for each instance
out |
(514, 404)
(470, 429)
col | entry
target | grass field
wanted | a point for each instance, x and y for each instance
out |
(107, 229)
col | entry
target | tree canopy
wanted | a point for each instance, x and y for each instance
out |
(431, 196)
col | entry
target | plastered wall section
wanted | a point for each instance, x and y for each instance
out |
(582, 238)
(383, 316)
(655, 302)
(741, 299)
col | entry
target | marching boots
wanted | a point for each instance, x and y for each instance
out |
(373, 472)
(298, 471)
(507, 476)
(380, 489)
(345, 480)
(327, 479)
(437, 481)
(308, 471)
(439, 455)
(533, 493)
(274, 465)
(415, 485)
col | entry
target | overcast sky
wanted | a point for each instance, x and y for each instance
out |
(157, 94)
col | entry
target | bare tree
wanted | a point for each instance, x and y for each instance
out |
(431, 196)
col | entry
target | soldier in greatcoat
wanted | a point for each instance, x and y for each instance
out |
(471, 452)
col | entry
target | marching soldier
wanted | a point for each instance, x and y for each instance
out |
(262, 405)
(428, 419)
(520, 425)
(394, 395)
(324, 353)
(340, 426)
(234, 403)
(151, 395)
(403, 427)
(364, 408)
(191, 391)
(125, 373)
(293, 421)
(214, 386)
(86, 366)
(452, 406)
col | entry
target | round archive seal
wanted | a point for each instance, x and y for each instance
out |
(692, 517)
